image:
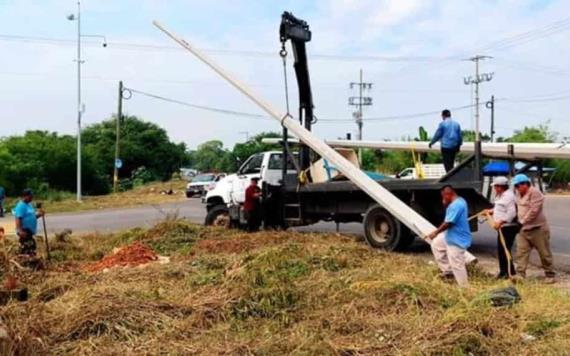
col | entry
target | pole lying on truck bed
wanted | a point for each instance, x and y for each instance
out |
(409, 217)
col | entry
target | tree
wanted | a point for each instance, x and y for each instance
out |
(540, 134)
(211, 156)
(142, 144)
(254, 145)
(41, 159)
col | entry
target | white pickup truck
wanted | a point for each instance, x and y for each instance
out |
(430, 171)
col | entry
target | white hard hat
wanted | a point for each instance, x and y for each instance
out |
(500, 181)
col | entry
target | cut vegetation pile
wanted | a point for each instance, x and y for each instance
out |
(270, 293)
(132, 255)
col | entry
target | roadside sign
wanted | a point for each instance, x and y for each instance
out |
(118, 163)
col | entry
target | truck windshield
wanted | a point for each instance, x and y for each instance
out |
(275, 162)
(204, 178)
(252, 165)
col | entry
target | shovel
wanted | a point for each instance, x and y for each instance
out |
(39, 206)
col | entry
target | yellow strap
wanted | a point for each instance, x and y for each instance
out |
(417, 162)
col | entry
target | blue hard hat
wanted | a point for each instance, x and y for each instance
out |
(520, 178)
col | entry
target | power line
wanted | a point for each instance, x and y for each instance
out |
(529, 36)
(214, 51)
(200, 107)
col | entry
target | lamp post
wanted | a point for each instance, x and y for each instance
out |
(80, 106)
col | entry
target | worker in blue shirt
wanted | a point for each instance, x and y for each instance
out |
(449, 135)
(27, 222)
(449, 250)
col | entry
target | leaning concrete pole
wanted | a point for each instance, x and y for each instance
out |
(381, 195)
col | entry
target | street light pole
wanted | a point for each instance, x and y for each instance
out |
(79, 109)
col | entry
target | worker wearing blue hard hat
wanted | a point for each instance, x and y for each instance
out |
(520, 178)
(534, 233)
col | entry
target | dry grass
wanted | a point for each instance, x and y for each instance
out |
(144, 195)
(270, 293)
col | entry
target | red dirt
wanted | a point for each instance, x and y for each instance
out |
(127, 256)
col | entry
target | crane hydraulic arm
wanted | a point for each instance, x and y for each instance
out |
(297, 31)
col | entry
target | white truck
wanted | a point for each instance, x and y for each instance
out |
(430, 171)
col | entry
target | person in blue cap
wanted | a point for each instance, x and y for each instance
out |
(449, 134)
(27, 222)
(534, 233)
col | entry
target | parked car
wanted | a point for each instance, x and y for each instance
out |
(202, 183)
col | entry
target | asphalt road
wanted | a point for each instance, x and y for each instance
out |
(557, 210)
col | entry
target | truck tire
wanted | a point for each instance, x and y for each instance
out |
(218, 216)
(382, 230)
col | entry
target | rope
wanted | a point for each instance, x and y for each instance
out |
(485, 214)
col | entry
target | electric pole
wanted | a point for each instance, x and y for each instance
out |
(491, 106)
(479, 78)
(117, 162)
(246, 134)
(360, 101)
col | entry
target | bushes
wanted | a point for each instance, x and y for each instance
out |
(46, 161)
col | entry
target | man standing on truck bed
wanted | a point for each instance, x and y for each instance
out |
(449, 249)
(252, 205)
(449, 134)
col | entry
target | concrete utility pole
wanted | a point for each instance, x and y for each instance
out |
(491, 106)
(80, 105)
(117, 138)
(360, 101)
(246, 134)
(479, 78)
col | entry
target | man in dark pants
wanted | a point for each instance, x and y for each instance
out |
(252, 205)
(449, 133)
(504, 220)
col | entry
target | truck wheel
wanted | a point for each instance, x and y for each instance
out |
(218, 216)
(384, 231)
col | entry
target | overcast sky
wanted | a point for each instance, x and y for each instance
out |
(411, 50)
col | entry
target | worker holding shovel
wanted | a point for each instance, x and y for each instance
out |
(504, 215)
(27, 223)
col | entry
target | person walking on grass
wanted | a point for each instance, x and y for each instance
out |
(504, 215)
(449, 134)
(534, 232)
(449, 249)
(252, 205)
(27, 223)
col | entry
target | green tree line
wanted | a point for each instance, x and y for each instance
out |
(46, 161)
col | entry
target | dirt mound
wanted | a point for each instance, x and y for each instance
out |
(127, 256)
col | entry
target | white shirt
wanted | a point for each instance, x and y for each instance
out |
(505, 207)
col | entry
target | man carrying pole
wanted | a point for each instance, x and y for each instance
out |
(504, 215)
(450, 249)
(534, 231)
(449, 135)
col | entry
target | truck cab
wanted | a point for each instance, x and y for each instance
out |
(229, 193)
